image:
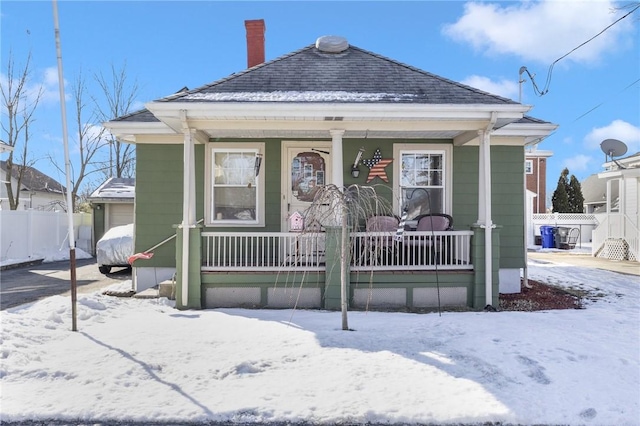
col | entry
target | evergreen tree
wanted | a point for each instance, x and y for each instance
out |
(567, 198)
(560, 198)
(576, 199)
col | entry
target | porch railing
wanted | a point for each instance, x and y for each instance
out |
(370, 251)
(415, 250)
(267, 251)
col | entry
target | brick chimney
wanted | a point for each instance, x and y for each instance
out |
(255, 41)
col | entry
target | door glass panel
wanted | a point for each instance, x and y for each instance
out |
(307, 175)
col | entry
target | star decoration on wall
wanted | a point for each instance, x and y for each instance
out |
(376, 166)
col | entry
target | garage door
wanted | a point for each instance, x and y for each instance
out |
(119, 214)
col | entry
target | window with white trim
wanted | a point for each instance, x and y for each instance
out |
(528, 167)
(235, 185)
(422, 179)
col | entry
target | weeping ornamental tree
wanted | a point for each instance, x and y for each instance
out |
(348, 209)
(567, 198)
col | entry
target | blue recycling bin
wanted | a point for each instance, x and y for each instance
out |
(547, 233)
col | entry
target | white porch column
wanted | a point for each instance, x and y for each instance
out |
(337, 177)
(484, 206)
(485, 146)
(188, 202)
(481, 183)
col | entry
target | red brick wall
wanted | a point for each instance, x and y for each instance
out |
(537, 182)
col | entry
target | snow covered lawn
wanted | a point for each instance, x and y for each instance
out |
(142, 360)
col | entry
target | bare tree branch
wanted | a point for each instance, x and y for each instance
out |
(119, 94)
(19, 109)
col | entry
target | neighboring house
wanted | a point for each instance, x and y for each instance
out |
(5, 148)
(535, 166)
(113, 204)
(37, 190)
(617, 235)
(594, 192)
(244, 154)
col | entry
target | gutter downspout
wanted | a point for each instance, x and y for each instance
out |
(188, 203)
(485, 144)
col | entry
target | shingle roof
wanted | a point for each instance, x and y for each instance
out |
(115, 188)
(340, 76)
(142, 116)
(34, 180)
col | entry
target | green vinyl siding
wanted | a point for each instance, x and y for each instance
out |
(507, 201)
(507, 178)
(465, 187)
(159, 196)
(273, 186)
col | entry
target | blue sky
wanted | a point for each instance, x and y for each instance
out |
(594, 92)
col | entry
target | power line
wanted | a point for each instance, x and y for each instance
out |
(603, 102)
(550, 72)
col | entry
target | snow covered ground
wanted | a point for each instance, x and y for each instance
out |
(143, 360)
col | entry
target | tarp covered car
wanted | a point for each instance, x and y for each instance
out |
(114, 248)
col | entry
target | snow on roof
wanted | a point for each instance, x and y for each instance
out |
(115, 188)
(293, 96)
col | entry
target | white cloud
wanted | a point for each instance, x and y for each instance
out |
(542, 31)
(45, 86)
(504, 87)
(49, 86)
(578, 163)
(618, 129)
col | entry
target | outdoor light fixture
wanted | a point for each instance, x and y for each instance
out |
(355, 171)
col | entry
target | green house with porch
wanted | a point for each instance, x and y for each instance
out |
(228, 174)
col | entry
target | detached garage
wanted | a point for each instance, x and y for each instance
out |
(113, 204)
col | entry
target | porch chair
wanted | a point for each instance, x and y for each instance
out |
(382, 244)
(432, 245)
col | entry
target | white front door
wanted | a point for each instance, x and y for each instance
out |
(307, 167)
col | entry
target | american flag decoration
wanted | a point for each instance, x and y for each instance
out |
(376, 166)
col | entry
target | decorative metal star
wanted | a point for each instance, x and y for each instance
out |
(376, 166)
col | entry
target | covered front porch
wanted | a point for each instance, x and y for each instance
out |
(304, 270)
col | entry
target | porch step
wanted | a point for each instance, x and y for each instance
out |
(167, 289)
(150, 293)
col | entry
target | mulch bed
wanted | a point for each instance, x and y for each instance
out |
(540, 297)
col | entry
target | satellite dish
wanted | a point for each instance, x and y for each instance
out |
(613, 148)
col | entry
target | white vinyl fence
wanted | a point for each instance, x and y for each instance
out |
(33, 234)
(585, 222)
